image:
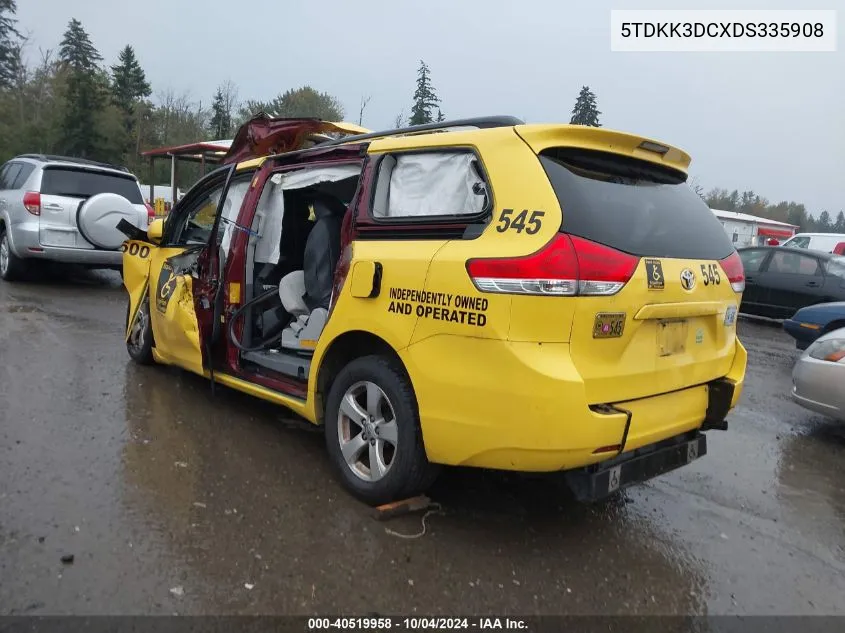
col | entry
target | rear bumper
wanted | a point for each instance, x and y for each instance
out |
(601, 480)
(26, 245)
(522, 407)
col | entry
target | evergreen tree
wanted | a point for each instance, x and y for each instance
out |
(585, 111)
(9, 43)
(440, 117)
(839, 225)
(823, 224)
(425, 98)
(85, 91)
(129, 83)
(221, 119)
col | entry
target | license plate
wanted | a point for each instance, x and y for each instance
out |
(592, 485)
(671, 337)
(609, 325)
(57, 238)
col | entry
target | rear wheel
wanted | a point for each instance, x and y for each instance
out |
(11, 266)
(140, 341)
(373, 432)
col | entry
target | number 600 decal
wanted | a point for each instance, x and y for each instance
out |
(521, 222)
(136, 249)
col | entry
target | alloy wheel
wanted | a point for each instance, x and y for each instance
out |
(4, 254)
(367, 431)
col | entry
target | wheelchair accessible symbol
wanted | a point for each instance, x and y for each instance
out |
(166, 286)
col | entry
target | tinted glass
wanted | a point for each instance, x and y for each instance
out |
(80, 183)
(26, 170)
(9, 175)
(788, 263)
(633, 206)
(835, 266)
(752, 260)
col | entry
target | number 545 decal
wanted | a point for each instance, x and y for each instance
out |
(521, 222)
(710, 274)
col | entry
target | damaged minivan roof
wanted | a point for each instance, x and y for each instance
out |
(264, 135)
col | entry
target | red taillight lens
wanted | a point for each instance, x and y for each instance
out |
(151, 213)
(734, 271)
(568, 265)
(32, 202)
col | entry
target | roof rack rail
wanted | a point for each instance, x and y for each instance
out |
(442, 126)
(71, 159)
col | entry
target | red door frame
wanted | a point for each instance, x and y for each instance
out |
(235, 270)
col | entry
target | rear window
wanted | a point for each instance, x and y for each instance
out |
(82, 183)
(633, 206)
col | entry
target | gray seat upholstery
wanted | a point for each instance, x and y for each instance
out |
(292, 293)
(306, 294)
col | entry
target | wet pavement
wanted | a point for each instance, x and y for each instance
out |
(157, 489)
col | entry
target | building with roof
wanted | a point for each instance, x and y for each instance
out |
(745, 229)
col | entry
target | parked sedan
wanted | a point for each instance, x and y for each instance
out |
(780, 280)
(819, 374)
(811, 322)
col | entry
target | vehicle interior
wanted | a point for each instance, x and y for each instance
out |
(292, 254)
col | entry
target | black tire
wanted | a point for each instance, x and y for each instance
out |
(12, 267)
(409, 472)
(140, 344)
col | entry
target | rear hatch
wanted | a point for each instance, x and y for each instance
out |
(657, 281)
(63, 193)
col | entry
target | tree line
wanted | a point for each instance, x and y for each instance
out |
(68, 100)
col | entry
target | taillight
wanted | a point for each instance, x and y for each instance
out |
(151, 213)
(32, 202)
(734, 271)
(568, 265)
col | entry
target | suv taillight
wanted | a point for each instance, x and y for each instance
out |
(32, 202)
(151, 213)
(566, 266)
(734, 271)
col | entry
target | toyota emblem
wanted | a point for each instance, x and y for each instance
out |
(687, 279)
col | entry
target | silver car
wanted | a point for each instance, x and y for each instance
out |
(818, 378)
(66, 210)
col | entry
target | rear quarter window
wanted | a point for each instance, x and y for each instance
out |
(633, 206)
(84, 183)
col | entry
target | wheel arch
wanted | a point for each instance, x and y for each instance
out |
(833, 325)
(343, 350)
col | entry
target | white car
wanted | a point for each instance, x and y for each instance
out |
(824, 242)
(66, 210)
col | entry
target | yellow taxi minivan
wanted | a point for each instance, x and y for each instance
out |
(546, 298)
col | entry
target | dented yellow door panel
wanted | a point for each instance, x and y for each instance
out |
(172, 310)
(136, 273)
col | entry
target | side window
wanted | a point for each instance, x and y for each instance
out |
(196, 215)
(792, 264)
(798, 242)
(752, 260)
(23, 175)
(9, 175)
(425, 185)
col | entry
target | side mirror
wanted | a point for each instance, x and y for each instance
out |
(155, 230)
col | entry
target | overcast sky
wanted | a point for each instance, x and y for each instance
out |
(771, 122)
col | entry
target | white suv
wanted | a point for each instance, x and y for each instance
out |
(66, 210)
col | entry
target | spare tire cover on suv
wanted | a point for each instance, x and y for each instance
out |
(98, 217)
